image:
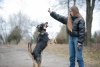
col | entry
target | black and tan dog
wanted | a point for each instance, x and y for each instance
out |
(42, 41)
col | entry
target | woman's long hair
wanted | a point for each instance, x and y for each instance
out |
(76, 13)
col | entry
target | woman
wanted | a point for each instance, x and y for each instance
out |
(76, 29)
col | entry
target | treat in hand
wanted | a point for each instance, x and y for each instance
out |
(49, 10)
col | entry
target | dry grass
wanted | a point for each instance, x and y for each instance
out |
(91, 55)
(61, 50)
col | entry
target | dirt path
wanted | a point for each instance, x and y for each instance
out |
(11, 56)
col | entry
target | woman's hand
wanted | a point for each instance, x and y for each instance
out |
(79, 44)
(49, 10)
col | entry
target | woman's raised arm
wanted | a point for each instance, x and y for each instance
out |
(58, 17)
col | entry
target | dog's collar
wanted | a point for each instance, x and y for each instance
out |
(43, 33)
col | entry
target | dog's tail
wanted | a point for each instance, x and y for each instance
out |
(30, 50)
(29, 47)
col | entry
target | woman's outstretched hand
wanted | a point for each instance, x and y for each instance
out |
(49, 10)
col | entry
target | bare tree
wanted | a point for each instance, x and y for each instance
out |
(20, 22)
(74, 2)
(15, 35)
(3, 30)
(68, 34)
(89, 17)
(68, 7)
(61, 37)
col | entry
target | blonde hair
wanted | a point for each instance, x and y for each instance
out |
(76, 13)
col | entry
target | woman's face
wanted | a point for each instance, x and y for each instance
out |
(71, 13)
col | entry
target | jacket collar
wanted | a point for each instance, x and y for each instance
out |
(73, 17)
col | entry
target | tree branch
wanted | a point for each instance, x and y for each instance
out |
(93, 4)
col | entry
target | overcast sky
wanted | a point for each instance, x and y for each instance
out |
(37, 10)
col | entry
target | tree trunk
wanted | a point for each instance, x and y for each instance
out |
(89, 17)
(68, 34)
(74, 2)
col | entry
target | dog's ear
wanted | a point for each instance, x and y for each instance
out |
(46, 24)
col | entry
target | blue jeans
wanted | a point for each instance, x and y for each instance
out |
(73, 52)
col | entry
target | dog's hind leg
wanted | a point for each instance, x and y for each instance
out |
(39, 65)
(33, 65)
(30, 54)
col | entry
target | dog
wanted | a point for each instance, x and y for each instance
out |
(42, 41)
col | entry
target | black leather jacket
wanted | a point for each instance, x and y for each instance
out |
(78, 27)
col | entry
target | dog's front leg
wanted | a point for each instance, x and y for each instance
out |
(51, 40)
